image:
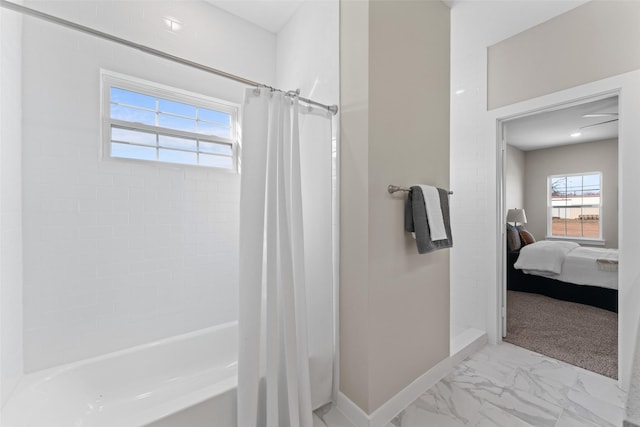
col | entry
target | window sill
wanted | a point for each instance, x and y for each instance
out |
(579, 240)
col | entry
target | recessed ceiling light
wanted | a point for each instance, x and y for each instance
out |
(576, 134)
(172, 24)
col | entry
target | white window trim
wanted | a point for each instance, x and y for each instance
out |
(109, 79)
(599, 241)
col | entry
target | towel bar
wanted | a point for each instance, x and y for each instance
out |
(393, 188)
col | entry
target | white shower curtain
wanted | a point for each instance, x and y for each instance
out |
(274, 379)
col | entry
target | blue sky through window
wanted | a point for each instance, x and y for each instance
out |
(178, 123)
(127, 97)
(576, 185)
(178, 108)
(178, 143)
(215, 117)
(133, 136)
(133, 115)
(148, 127)
(133, 107)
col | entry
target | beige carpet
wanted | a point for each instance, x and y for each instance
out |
(579, 334)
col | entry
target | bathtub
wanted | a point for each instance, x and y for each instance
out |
(188, 380)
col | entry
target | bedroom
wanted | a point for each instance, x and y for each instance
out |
(561, 190)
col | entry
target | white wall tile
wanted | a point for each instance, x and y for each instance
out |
(118, 253)
(11, 312)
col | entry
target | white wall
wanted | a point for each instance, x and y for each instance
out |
(307, 52)
(120, 253)
(307, 59)
(354, 218)
(514, 178)
(475, 25)
(474, 134)
(11, 366)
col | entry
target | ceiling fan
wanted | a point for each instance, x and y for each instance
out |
(600, 115)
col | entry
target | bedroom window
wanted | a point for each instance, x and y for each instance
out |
(151, 122)
(575, 206)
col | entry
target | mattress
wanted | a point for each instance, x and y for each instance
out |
(577, 265)
(582, 268)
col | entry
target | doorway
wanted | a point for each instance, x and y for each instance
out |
(572, 144)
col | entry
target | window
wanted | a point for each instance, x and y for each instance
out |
(147, 121)
(575, 205)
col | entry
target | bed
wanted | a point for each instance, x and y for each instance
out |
(566, 271)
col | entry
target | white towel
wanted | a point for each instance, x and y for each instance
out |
(434, 213)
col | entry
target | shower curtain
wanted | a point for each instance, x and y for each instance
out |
(282, 374)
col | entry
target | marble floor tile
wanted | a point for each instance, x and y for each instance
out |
(330, 416)
(548, 381)
(317, 421)
(569, 419)
(508, 386)
(505, 385)
(490, 366)
(492, 416)
(442, 405)
(500, 362)
(521, 404)
(604, 388)
(594, 409)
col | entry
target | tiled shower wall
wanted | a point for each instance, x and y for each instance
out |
(10, 204)
(118, 253)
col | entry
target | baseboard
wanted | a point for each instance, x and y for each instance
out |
(382, 416)
(465, 344)
(352, 411)
(392, 407)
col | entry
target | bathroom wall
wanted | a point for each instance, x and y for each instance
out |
(308, 59)
(394, 303)
(597, 156)
(354, 332)
(121, 253)
(307, 52)
(11, 367)
(474, 27)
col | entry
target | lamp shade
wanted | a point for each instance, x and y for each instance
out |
(516, 215)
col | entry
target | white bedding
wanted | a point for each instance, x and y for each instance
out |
(581, 267)
(544, 258)
(578, 265)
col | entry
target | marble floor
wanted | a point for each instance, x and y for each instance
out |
(508, 386)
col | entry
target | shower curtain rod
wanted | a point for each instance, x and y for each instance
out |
(151, 51)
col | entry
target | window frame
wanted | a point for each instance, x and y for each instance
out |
(592, 240)
(109, 79)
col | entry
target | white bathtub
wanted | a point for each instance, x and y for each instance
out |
(189, 380)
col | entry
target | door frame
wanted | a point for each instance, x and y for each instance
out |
(627, 85)
(501, 164)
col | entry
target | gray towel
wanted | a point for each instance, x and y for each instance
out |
(415, 220)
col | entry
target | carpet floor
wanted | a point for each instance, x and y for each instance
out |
(578, 334)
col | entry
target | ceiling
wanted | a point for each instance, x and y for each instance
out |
(553, 128)
(271, 15)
